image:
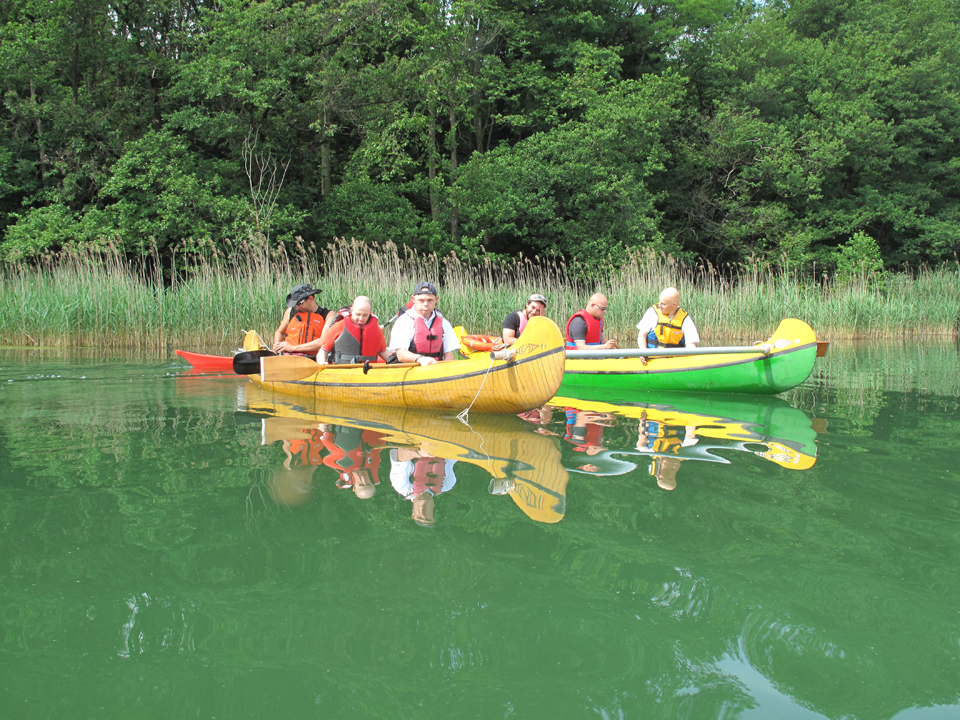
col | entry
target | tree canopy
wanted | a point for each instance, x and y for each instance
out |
(710, 129)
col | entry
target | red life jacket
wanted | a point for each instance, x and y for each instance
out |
(425, 340)
(428, 474)
(594, 328)
(357, 342)
(304, 327)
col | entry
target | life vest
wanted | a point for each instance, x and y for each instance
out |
(663, 438)
(667, 332)
(425, 340)
(594, 329)
(428, 474)
(304, 327)
(351, 451)
(357, 343)
(309, 450)
(523, 322)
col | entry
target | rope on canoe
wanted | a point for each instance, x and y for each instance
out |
(464, 416)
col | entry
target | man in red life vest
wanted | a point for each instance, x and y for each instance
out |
(302, 326)
(421, 334)
(419, 477)
(355, 338)
(585, 327)
(515, 322)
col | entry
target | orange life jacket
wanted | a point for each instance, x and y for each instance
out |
(304, 327)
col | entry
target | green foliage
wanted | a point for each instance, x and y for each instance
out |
(40, 229)
(858, 259)
(579, 190)
(161, 190)
(376, 213)
(509, 126)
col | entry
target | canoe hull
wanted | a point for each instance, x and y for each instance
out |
(788, 365)
(479, 383)
(201, 361)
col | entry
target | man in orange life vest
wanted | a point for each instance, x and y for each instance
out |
(355, 338)
(515, 322)
(666, 324)
(302, 326)
(585, 327)
(421, 334)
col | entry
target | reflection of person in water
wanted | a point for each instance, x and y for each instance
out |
(656, 437)
(293, 485)
(420, 477)
(540, 416)
(349, 451)
(355, 458)
(585, 431)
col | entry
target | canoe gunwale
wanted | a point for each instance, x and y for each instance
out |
(493, 368)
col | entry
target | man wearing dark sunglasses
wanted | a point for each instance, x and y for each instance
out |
(585, 327)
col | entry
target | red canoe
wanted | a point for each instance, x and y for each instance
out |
(207, 362)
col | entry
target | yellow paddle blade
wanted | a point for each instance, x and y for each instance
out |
(287, 368)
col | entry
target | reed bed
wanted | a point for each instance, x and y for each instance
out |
(202, 297)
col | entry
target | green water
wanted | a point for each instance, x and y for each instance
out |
(179, 546)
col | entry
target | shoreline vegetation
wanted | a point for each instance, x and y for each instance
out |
(204, 297)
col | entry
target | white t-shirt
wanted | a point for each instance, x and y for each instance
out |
(649, 321)
(402, 333)
(401, 476)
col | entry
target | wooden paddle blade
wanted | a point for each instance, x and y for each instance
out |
(287, 368)
(248, 362)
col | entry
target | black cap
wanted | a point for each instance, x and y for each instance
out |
(425, 288)
(299, 294)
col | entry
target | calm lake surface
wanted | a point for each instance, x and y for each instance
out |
(177, 545)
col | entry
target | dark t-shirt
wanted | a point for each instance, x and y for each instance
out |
(512, 322)
(578, 329)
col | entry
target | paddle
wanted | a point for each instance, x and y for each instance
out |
(248, 362)
(764, 349)
(289, 368)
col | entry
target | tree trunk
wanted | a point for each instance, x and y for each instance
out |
(432, 165)
(455, 209)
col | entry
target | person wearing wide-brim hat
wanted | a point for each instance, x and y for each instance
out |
(515, 322)
(301, 327)
(422, 335)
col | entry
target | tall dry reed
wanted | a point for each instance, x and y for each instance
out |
(202, 297)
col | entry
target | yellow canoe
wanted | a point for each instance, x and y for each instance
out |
(478, 383)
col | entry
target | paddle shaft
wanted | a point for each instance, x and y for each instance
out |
(666, 352)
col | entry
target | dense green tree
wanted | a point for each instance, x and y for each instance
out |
(822, 123)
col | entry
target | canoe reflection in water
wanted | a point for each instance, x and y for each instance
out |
(674, 428)
(522, 463)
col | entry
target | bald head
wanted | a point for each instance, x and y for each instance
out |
(597, 305)
(362, 307)
(669, 301)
